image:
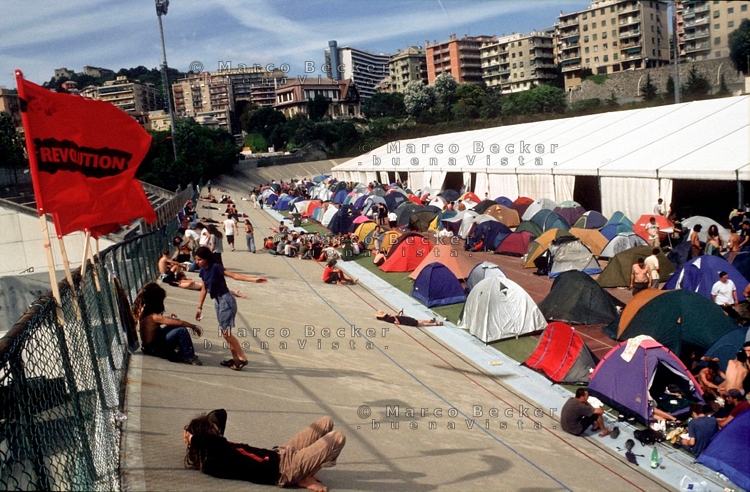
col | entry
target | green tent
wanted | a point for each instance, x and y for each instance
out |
(678, 319)
(617, 271)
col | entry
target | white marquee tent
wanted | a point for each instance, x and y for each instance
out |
(635, 155)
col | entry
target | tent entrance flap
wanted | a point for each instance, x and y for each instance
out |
(586, 192)
(661, 379)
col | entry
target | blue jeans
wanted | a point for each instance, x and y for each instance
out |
(179, 338)
(250, 239)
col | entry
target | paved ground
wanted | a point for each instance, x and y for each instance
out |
(406, 401)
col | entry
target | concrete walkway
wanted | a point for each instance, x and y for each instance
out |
(418, 414)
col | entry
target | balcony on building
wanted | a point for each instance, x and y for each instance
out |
(694, 9)
(630, 34)
(703, 33)
(628, 8)
(630, 21)
(694, 47)
(568, 34)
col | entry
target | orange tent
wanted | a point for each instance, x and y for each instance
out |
(635, 304)
(639, 227)
(540, 245)
(471, 197)
(458, 262)
(504, 215)
(592, 238)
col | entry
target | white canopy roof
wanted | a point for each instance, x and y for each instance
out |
(696, 140)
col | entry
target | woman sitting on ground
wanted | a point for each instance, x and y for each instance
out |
(400, 319)
(333, 275)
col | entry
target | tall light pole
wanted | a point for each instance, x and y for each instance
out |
(676, 50)
(161, 9)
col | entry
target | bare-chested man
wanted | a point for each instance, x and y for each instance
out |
(169, 269)
(736, 372)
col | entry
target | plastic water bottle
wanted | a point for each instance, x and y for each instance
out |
(655, 458)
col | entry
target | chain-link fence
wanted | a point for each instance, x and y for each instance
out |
(62, 376)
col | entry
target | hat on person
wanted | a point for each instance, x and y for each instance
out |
(734, 393)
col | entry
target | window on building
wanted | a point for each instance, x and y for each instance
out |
(521, 74)
(606, 58)
(652, 16)
(614, 44)
(614, 33)
(612, 9)
(730, 24)
(613, 21)
(716, 13)
(604, 35)
(585, 39)
(593, 36)
(596, 48)
(593, 25)
(596, 59)
(743, 8)
(586, 49)
(730, 10)
(520, 64)
(585, 27)
(717, 41)
(605, 46)
(512, 55)
(717, 27)
(515, 75)
(588, 60)
(593, 14)
(614, 57)
(653, 41)
(520, 43)
(514, 65)
(584, 16)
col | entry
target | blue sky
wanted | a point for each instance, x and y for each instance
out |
(38, 36)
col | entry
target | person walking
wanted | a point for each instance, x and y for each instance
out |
(230, 228)
(249, 236)
(215, 243)
(215, 285)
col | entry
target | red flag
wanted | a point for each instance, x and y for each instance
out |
(83, 155)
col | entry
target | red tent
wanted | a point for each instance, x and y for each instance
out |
(521, 204)
(407, 253)
(562, 355)
(515, 243)
(639, 227)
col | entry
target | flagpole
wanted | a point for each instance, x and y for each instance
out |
(85, 254)
(33, 165)
(68, 275)
(93, 261)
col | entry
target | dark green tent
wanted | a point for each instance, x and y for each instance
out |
(591, 305)
(678, 319)
(617, 271)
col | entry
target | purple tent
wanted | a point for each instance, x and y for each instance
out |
(571, 214)
(436, 285)
(701, 273)
(591, 220)
(629, 385)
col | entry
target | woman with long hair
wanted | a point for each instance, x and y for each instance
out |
(249, 236)
(161, 336)
(214, 283)
(215, 243)
(714, 242)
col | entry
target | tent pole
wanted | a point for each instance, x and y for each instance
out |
(740, 193)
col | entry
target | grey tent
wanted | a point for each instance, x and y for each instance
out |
(590, 304)
(621, 242)
(482, 271)
(569, 253)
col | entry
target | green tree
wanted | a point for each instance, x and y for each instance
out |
(418, 99)
(723, 88)
(537, 100)
(739, 47)
(648, 89)
(262, 120)
(445, 87)
(697, 85)
(382, 105)
(492, 106)
(11, 143)
(317, 107)
(669, 94)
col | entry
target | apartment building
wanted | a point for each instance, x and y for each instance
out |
(9, 103)
(406, 66)
(364, 68)
(518, 62)
(459, 57)
(207, 98)
(343, 97)
(132, 97)
(612, 36)
(703, 27)
(254, 83)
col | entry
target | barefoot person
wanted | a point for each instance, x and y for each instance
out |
(295, 463)
(214, 284)
(578, 414)
(333, 275)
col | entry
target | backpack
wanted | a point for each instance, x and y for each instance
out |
(648, 436)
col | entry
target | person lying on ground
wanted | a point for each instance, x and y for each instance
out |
(400, 319)
(161, 336)
(333, 275)
(295, 463)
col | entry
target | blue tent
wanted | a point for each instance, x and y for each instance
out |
(504, 201)
(340, 196)
(393, 200)
(342, 221)
(619, 218)
(742, 263)
(359, 204)
(726, 347)
(436, 285)
(491, 232)
(611, 230)
(282, 203)
(547, 219)
(701, 273)
(271, 199)
(727, 452)
(591, 220)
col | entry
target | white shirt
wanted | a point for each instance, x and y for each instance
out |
(229, 227)
(658, 209)
(652, 263)
(723, 292)
(652, 230)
